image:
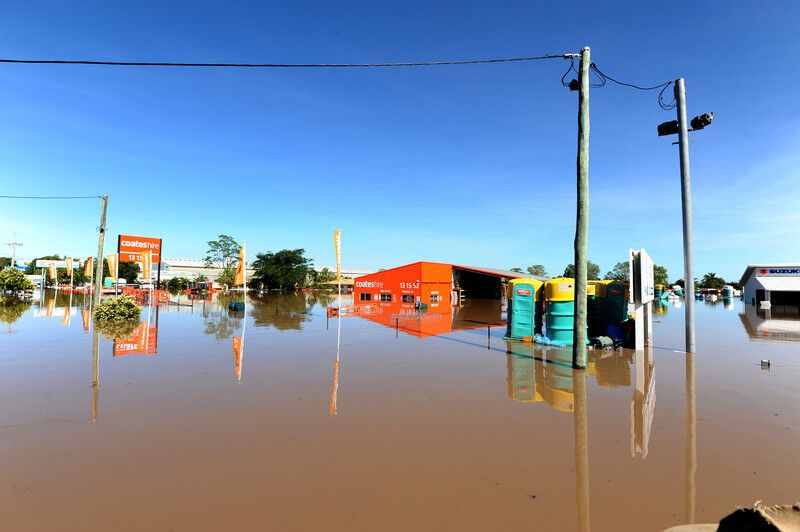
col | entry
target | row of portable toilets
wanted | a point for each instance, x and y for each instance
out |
(548, 309)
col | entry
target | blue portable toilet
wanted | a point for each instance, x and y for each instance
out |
(524, 316)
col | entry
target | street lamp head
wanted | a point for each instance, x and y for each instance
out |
(668, 128)
(701, 121)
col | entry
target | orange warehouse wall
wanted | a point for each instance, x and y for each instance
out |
(419, 280)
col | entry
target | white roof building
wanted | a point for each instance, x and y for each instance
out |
(778, 285)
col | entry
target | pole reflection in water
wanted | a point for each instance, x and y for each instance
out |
(581, 428)
(332, 406)
(238, 346)
(95, 373)
(691, 440)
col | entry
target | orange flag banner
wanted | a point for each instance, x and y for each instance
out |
(334, 392)
(87, 316)
(88, 266)
(69, 266)
(52, 271)
(113, 264)
(239, 279)
(147, 264)
(237, 356)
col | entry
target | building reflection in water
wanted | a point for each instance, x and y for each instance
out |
(770, 325)
(437, 319)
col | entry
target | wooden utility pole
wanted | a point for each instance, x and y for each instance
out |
(98, 267)
(582, 224)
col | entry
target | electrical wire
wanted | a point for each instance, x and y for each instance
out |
(278, 65)
(662, 102)
(50, 197)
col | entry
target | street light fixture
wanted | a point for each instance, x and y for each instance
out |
(681, 128)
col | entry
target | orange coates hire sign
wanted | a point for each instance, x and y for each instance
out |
(130, 248)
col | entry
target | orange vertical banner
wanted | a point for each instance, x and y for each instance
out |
(113, 265)
(69, 266)
(239, 279)
(147, 264)
(52, 271)
(87, 316)
(237, 356)
(87, 266)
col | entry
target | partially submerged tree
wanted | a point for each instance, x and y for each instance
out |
(224, 251)
(13, 281)
(710, 280)
(287, 269)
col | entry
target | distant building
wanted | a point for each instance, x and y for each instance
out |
(778, 284)
(191, 268)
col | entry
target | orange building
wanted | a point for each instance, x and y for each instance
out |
(431, 283)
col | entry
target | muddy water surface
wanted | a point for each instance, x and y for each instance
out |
(425, 422)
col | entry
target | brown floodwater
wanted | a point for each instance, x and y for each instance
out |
(426, 421)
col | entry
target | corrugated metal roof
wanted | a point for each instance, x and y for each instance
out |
(491, 271)
(780, 284)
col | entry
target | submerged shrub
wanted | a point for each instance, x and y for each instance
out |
(12, 280)
(117, 309)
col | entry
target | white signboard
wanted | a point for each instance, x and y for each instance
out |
(642, 278)
(59, 263)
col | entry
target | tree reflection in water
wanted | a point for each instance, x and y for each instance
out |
(221, 322)
(12, 309)
(286, 310)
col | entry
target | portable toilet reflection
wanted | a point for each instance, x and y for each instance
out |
(560, 309)
(524, 308)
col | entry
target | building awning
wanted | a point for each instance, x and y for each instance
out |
(780, 284)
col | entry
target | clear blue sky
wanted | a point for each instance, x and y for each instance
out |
(463, 164)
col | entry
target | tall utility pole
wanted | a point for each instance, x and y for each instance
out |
(13, 246)
(98, 266)
(686, 202)
(582, 223)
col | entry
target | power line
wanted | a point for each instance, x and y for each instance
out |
(664, 104)
(280, 65)
(50, 197)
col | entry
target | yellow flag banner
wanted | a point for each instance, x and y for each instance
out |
(52, 271)
(239, 279)
(237, 356)
(147, 264)
(69, 266)
(337, 243)
(113, 265)
(88, 265)
(67, 316)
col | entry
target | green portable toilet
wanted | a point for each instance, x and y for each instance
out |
(616, 303)
(560, 309)
(524, 315)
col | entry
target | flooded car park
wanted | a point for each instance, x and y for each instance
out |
(425, 421)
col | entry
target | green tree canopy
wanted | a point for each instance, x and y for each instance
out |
(619, 272)
(13, 280)
(710, 280)
(537, 270)
(127, 270)
(284, 270)
(517, 270)
(225, 252)
(5, 261)
(660, 274)
(592, 270)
